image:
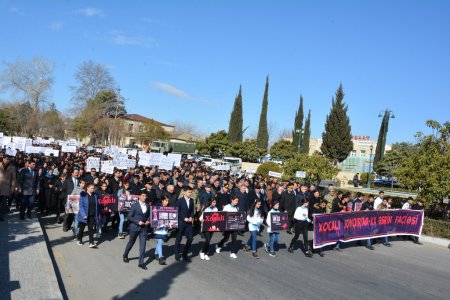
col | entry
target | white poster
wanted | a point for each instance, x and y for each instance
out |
(19, 142)
(70, 149)
(223, 167)
(28, 142)
(274, 174)
(166, 163)
(176, 157)
(120, 155)
(124, 163)
(132, 152)
(32, 150)
(93, 163)
(107, 166)
(300, 174)
(49, 151)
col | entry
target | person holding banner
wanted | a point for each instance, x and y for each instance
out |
(273, 235)
(186, 211)
(122, 214)
(226, 235)
(301, 226)
(255, 220)
(139, 217)
(161, 234)
(211, 207)
(368, 205)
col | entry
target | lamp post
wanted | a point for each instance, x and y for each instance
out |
(299, 140)
(370, 167)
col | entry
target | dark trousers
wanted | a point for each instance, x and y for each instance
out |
(226, 237)
(301, 227)
(90, 222)
(27, 204)
(291, 221)
(68, 220)
(208, 235)
(142, 234)
(3, 200)
(184, 229)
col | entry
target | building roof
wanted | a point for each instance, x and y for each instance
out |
(139, 118)
(185, 136)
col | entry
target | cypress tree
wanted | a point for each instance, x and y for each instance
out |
(262, 139)
(235, 128)
(298, 124)
(337, 137)
(306, 134)
(381, 143)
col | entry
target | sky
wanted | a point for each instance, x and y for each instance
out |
(183, 61)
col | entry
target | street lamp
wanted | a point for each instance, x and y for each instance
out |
(370, 166)
(299, 140)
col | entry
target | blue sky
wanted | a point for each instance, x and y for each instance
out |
(185, 60)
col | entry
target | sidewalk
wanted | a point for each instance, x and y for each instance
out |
(26, 269)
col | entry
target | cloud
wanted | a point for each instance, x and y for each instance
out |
(16, 10)
(122, 39)
(91, 12)
(56, 25)
(170, 89)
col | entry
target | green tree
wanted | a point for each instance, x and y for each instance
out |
(298, 124)
(316, 166)
(337, 137)
(235, 131)
(217, 142)
(6, 122)
(152, 131)
(428, 168)
(307, 134)
(381, 143)
(263, 134)
(247, 150)
(282, 149)
(53, 123)
(398, 156)
(265, 168)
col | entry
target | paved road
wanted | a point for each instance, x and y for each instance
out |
(405, 271)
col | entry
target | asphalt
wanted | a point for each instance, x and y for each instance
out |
(404, 271)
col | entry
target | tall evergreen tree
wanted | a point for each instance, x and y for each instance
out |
(337, 137)
(263, 134)
(381, 143)
(298, 124)
(235, 128)
(307, 134)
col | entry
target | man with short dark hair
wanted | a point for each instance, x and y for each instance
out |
(29, 188)
(186, 211)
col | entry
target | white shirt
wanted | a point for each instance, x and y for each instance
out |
(406, 206)
(143, 207)
(301, 214)
(377, 202)
(187, 201)
(230, 207)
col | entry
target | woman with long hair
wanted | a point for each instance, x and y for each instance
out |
(254, 219)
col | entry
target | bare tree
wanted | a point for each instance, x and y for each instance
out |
(191, 128)
(92, 78)
(285, 134)
(30, 82)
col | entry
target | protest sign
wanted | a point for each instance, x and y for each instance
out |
(125, 201)
(236, 220)
(93, 163)
(352, 226)
(50, 151)
(19, 143)
(167, 216)
(279, 221)
(224, 167)
(300, 174)
(28, 142)
(108, 202)
(214, 221)
(274, 174)
(132, 152)
(166, 163)
(176, 158)
(69, 149)
(120, 155)
(32, 150)
(72, 204)
(107, 166)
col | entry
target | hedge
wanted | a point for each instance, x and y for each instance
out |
(436, 228)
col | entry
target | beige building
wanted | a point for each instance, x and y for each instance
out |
(134, 125)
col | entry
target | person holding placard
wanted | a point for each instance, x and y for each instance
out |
(232, 207)
(161, 234)
(301, 226)
(211, 207)
(273, 235)
(254, 219)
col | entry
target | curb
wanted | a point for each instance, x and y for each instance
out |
(436, 241)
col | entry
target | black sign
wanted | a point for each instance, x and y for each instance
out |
(236, 220)
(278, 221)
(214, 221)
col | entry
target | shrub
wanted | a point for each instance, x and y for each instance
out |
(436, 228)
(264, 168)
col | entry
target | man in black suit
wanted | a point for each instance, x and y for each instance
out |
(28, 187)
(67, 188)
(186, 211)
(139, 218)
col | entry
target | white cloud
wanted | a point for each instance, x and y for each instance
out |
(16, 10)
(122, 39)
(56, 25)
(170, 89)
(91, 12)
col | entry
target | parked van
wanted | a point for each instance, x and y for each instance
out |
(234, 161)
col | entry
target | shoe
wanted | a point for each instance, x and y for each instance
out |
(418, 242)
(266, 247)
(156, 256)
(388, 244)
(255, 255)
(202, 256)
(75, 239)
(273, 254)
(121, 236)
(177, 257)
(162, 261)
(92, 246)
(246, 248)
(370, 247)
(80, 243)
(308, 254)
(126, 260)
(233, 255)
(289, 232)
(206, 257)
(218, 249)
(143, 267)
(321, 254)
(186, 258)
(291, 250)
(59, 222)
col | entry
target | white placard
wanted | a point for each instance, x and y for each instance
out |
(32, 150)
(10, 151)
(445, 200)
(49, 151)
(28, 142)
(144, 162)
(71, 142)
(143, 154)
(107, 166)
(274, 174)
(120, 155)
(122, 150)
(93, 162)
(300, 174)
(70, 149)
(166, 163)
(176, 157)
(251, 170)
(98, 150)
(132, 152)
(124, 163)
(223, 167)
(19, 142)
(89, 148)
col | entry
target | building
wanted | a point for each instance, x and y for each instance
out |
(134, 124)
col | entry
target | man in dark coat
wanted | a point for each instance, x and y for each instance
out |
(186, 211)
(287, 204)
(29, 188)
